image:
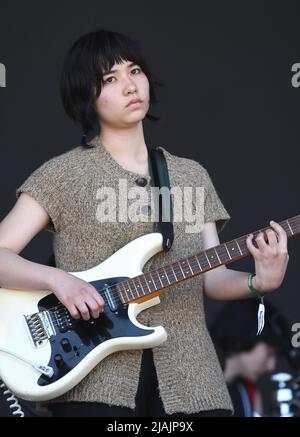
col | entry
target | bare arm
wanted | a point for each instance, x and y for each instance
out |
(271, 260)
(24, 221)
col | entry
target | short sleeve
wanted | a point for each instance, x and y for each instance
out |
(45, 186)
(214, 210)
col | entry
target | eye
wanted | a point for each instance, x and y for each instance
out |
(106, 80)
(112, 77)
(136, 68)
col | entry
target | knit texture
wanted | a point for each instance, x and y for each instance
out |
(189, 375)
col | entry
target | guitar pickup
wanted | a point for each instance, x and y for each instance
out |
(111, 299)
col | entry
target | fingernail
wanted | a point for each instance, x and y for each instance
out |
(271, 222)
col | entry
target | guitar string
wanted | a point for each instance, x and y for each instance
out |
(115, 293)
(178, 272)
(171, 268)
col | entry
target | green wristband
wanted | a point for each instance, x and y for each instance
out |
(253, 290)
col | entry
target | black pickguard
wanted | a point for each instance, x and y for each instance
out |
(75, 341)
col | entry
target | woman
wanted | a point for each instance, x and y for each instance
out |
(103, 73)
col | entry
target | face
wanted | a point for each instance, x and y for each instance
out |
(124, 83)
(258, 361)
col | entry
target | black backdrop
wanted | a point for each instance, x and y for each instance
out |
(230, 101)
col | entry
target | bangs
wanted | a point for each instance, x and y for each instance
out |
(104, 49)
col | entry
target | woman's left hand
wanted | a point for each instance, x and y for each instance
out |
(271, 258)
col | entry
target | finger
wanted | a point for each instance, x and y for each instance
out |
(282, 235)
(74, 312)
(84, 310)
(272, 238)
(94, 307)
(252, 249)
(98, 298)
(260, 240)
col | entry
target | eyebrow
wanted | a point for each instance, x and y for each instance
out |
(114, 71)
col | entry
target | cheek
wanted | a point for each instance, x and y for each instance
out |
(104, 103)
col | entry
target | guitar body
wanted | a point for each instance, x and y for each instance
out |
(73, 348)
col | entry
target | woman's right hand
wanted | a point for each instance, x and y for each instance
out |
(78, 296)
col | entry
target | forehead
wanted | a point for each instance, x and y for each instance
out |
(119, 66)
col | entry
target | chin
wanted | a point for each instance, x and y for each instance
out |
(136, 118)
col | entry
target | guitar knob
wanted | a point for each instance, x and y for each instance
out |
(59, 361)
(66, 345)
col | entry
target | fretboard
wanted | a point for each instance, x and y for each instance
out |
(166, 276)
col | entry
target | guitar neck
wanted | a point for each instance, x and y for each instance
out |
(144, 286)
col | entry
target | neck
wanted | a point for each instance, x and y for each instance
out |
(155, 282)
(125, 145)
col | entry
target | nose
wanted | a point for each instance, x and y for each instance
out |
(130, 86)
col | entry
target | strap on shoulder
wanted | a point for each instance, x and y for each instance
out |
(160, 178)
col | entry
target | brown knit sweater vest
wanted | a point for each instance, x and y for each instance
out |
(189, 375)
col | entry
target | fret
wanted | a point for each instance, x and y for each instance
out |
(203, 261)
(150, 283)
(194, 265)
(153, 280)
(158, 275)
(141, 285)
(186, 272)
(222, 253)
(166, 275)
(162, 277)
(121, 285)
(174, 272)
(207, 258)
(128, 289)
(294, 222)
(232, 248)
(142, 278)
(171, 274)
(215, 249)
(183, 276)
(237, 243)
(290, 227)
(210, 253)
(227, 250)
(137, 293)
(243, 244)
(198, 263)
(190, 266)
(137, 285)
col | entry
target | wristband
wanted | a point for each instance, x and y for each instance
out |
(261, 307)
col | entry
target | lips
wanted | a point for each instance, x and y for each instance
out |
(134, 101)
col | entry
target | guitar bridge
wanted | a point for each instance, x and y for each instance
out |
(40, 327)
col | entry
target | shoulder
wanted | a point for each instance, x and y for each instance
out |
(64, 167)
(72, 158)
(58, 174)
(191, 168)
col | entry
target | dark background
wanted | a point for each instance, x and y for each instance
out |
(229, 102)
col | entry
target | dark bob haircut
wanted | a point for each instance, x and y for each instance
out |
(89, 58)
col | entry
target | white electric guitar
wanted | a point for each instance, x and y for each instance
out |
(44, 352)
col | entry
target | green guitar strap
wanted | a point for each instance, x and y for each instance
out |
(158, 169)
